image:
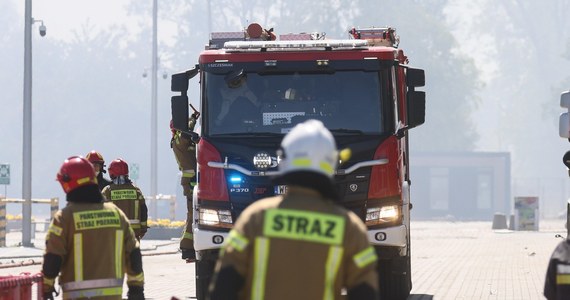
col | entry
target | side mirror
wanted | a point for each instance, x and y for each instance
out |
(179, 81)
(179, 106)
(415, 77)
(564, 125)
(416, 108)
(565, 100)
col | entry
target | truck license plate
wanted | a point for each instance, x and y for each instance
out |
(280, 189)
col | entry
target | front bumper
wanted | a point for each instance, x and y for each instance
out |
(391, 236)
(208, 239)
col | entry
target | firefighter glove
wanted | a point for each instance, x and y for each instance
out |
(187, 136)
(48, 296)
(49, 292)
(142, 232)
(135, 293)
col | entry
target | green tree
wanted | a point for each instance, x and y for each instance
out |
(451, 78)
(519, 46)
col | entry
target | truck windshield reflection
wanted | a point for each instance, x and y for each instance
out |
(347, 102)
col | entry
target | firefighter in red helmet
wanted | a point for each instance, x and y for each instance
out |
(98, 162)
(127, 196)
(85, 271)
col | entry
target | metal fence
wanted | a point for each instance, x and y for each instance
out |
(54, 206)
(153, 209)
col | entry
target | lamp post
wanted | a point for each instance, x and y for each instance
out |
(153, 190)
(209, 17)
(27, 128)
(154, 107)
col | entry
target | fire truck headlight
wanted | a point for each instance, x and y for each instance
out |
(217, 218)
(379, 215)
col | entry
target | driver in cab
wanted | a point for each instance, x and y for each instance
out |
(237, 99)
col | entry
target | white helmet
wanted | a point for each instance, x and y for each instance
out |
(309, 146)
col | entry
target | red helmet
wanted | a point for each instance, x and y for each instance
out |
(118, 167)
(76, 171)
(95, 157)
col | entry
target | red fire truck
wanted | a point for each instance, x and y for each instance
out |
(255, 86)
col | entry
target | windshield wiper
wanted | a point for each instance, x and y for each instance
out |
(265, 133)
(346, 131)
(241, 134)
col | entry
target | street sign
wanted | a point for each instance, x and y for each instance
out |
(134, 171)
(5, 174)
(526, 213)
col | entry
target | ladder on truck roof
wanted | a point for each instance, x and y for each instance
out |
(237, 41)
(236, 46)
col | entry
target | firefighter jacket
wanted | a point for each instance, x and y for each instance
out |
(94, 241)
(130, 199)
(185, 153)
(557, 283)
(296, 246)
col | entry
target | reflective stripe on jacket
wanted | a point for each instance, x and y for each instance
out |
(88, 270)
(93, 288)
(130, 200)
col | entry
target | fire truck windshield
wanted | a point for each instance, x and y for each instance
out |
(240, 102)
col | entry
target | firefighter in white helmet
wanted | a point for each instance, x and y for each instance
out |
(301, 237)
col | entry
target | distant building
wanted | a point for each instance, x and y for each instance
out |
(460, 185)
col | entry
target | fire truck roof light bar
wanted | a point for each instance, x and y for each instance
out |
(245, 171)
(243, 45)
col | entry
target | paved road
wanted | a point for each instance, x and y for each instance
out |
(471, 261)
(450, 260)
